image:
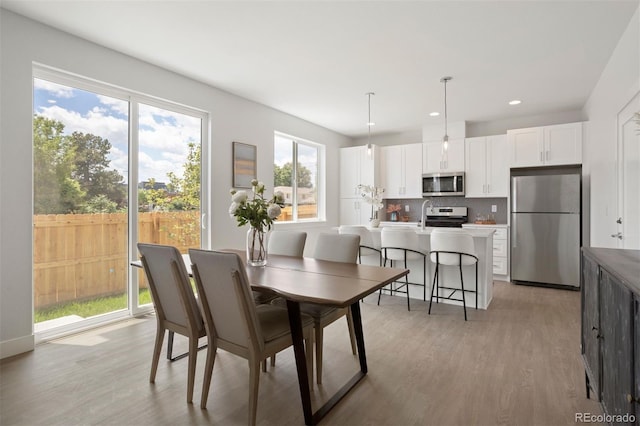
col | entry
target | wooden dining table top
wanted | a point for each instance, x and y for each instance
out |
(306, 279)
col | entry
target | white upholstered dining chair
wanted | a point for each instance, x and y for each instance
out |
(236, 324)
(287, 243)
(368, 248)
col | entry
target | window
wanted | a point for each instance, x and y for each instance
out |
(90, 142)
(298, 174)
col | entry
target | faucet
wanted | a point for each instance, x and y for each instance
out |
(422, 216)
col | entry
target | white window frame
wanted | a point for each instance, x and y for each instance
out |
(321, 180)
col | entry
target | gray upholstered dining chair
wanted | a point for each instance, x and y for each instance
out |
(368, 248)
(287, 243)
(236, 324)
(175, 303)
(452, 248)
(335, 248)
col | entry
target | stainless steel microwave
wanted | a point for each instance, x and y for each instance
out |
(443, 184)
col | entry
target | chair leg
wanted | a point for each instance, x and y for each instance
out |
(318, 342)
(263, 365)
(352, 333)
(208, 370)
(273, 360)
(308, 352)
(254, 383)
(157, 348)
(464, 304)
(193, 356)
(424, 278)
(477, 285)
(170, 346)
(380, 291)
(433, 287)
(406, 281)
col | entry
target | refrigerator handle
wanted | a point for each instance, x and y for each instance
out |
(514, 194)
(514, 229)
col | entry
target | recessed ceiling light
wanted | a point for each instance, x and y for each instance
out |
(515, 102)
(434, 114)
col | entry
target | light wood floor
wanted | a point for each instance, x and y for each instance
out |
(518, 363)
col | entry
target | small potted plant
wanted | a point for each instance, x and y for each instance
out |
(394, 211)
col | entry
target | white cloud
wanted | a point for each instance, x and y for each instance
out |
(55, 89)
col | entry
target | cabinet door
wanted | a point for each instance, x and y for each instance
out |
(434, 161)
(563, 144)
(432, 157)
(350, 171)
(591, 323)
(616, 316)
(392, 169)
(476, 167)
(526, 146)
(354, 211)
(413, 171)
(497, 166)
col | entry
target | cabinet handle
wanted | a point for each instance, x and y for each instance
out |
(488, 188)
(541, 156)
(547, 155)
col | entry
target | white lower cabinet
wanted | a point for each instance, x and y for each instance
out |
(354, 211)
(500, 247)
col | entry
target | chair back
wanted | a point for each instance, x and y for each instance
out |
(400, 237)
(443, 240)
(226, 298)
(287, 243)
(337, 247)
(365, 235)
(170, 286)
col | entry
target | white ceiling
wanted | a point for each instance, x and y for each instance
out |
(317, 59)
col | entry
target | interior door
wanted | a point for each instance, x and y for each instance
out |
(629, 175)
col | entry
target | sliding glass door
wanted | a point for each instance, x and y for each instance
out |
(111, 168)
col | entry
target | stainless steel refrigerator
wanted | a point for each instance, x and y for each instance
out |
(546, 226)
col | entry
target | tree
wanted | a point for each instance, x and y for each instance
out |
(187, 187)
(54, 189)
(92, 168)
(282, 175)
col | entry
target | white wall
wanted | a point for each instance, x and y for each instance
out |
(619, 82)
(23, 42)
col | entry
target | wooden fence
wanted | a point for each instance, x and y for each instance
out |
(83, 256)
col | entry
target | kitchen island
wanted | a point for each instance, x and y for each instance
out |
(450, 276)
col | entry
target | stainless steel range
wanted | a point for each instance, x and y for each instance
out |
(451, 217)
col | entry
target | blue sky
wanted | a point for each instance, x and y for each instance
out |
(163, 135)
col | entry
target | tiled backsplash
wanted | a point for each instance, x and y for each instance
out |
(476, 206)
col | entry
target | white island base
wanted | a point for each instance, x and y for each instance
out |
(450, 275)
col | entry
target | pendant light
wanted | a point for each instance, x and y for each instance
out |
(369, 124)
(445, 139)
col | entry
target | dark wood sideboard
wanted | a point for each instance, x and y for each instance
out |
(611, 331)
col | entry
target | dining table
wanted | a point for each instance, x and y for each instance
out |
(308, 280)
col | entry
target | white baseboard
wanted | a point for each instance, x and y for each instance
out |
(16, 346)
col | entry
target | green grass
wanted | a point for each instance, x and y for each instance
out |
(89, 308)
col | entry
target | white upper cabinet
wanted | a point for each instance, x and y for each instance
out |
(401, 171)
(435, 161)
(357, 167)
(486, 167)
(546, 146)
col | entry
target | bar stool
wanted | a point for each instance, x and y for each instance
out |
(368, 247)
(399, 243)
(452, 248)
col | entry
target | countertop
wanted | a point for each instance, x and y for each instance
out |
(476, 232)
(622, 264)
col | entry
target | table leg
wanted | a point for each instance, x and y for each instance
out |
(295, 322)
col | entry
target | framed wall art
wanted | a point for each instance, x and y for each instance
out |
(245, 164)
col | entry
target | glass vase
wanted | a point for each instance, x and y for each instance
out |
(257, 240)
